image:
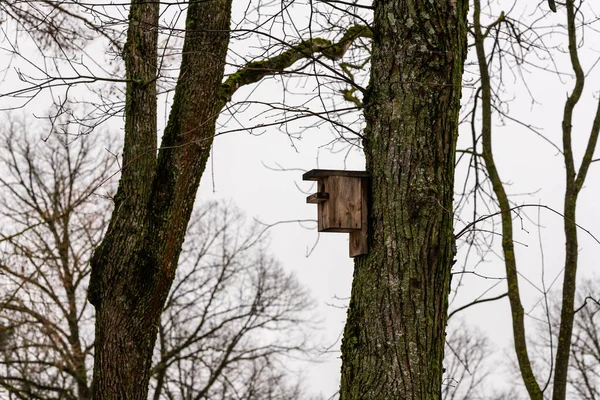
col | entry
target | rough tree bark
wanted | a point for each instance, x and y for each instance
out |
(134, 267)
(394, 338)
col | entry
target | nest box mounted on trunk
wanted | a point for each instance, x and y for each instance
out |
(341, 200)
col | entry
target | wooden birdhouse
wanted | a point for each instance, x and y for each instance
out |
(341, 200)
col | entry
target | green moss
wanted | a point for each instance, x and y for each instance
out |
(256, 70)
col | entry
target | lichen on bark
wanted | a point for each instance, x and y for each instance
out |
(395, 332)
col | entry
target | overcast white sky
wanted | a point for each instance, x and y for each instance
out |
(237, 171)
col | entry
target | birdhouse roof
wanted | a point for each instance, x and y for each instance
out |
(316, 174)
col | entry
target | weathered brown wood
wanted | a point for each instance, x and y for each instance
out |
(317, 174)
(321, 189)
(317, 198)
(359, 239)
(342, 204)
(342, 212)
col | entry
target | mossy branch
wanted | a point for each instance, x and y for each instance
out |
(257, 70)
(574, 182)
(510, 260)
(351, 98)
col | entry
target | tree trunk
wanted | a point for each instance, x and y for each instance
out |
(134, 267)
(510, 259)
(394, 338)
(574, 182)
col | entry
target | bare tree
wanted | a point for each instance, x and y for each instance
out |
(52, 219)
(232, 316)
(574, 179)
(583, 379)
(553, 380)
(505, 208)
(134, 266)
(584, 368)
(467, 352)
(231, 320)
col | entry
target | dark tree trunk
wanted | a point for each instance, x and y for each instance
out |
(134, 267)
(395, 333)
(510, 259)
(575, 179)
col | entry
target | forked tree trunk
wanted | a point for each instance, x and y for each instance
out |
(394, 338)
(134, 267)
(575, 179)
(510, 259)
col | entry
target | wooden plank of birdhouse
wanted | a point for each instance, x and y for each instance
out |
(317, 198)
(321, 189)
(342, 212)
(359, 243)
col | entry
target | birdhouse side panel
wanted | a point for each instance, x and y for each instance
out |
(321, 205)
(342, 212)
(359, 239)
